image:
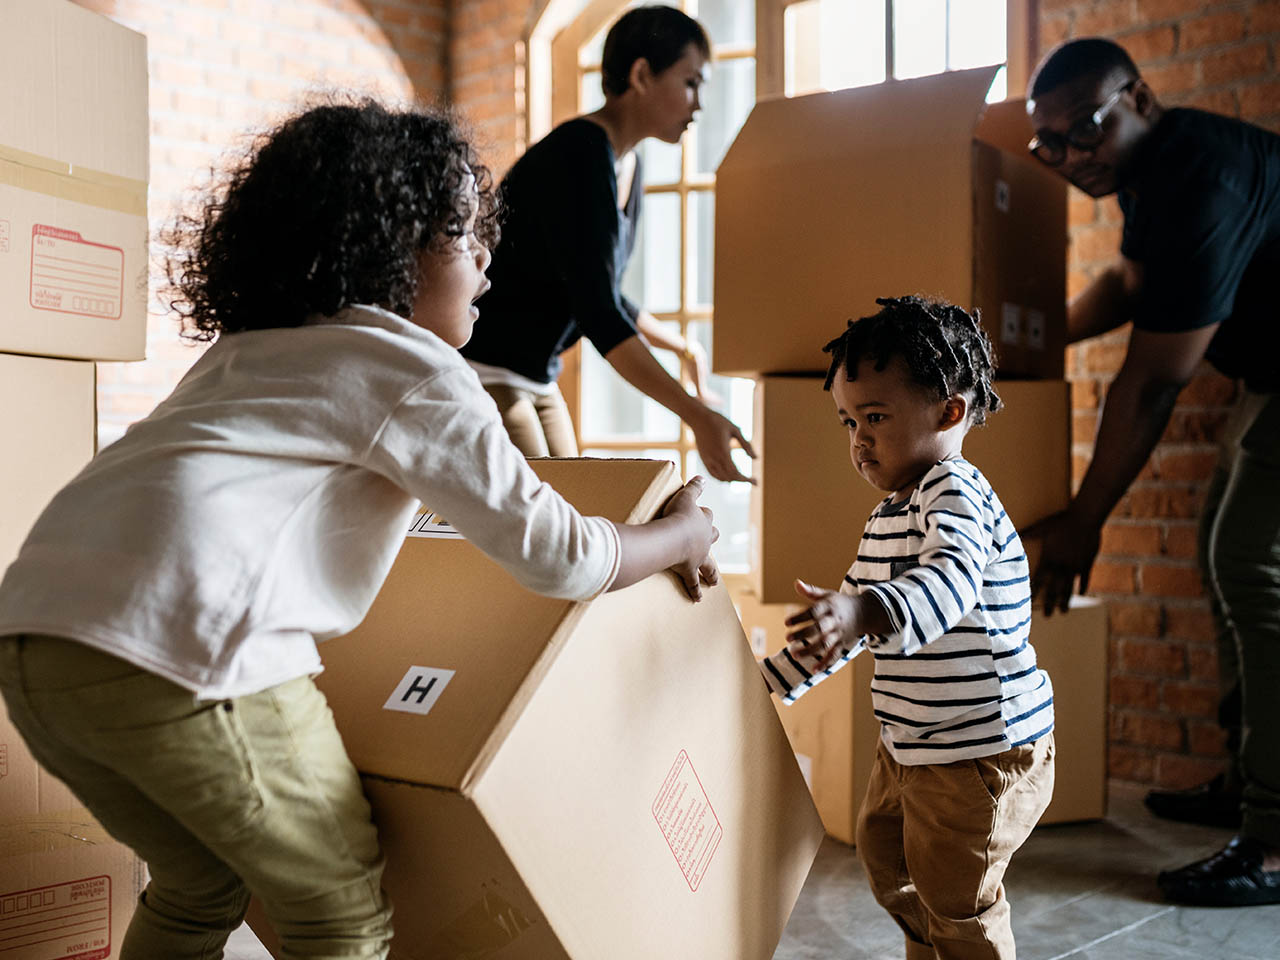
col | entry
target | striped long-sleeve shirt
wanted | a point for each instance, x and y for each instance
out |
(956, 677)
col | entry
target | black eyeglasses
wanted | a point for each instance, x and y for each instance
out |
(1086, 134)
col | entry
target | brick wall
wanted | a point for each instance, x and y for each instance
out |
(487, 68)
(220, 68)
(1220, 57)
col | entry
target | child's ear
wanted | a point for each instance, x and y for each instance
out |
(954, 411)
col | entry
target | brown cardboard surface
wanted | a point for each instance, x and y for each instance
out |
(809, 506)
(826, 201)
(48, 426)
(834, 732)
(73, 183)
(1073, 649)
(587, 766)
(66, 888)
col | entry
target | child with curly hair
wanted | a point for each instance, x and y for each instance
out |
(158, 629)
(939, 594)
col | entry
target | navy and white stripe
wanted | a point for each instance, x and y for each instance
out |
(956, 677)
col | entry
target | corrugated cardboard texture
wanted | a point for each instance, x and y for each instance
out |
(1073, 648)
(445, 602)
(1019, 266)
(827, 201)
(48, 423)
(646, 678)
(809, 507)
(73, 183)
(588, 767)
(66, 888)
(834, 732)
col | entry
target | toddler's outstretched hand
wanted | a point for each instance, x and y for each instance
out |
(827, 628)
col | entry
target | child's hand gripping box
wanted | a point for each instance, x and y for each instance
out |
(73, 183)
(556, 780)
(827, 201)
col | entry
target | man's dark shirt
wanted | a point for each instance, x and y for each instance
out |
(1202, 214)
(565, 244)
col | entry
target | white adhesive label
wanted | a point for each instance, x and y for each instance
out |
(1035, 329)
(419, 690)
(1010, 323)
(1002, 196)
(432, 525)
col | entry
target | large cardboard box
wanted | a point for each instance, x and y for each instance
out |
(48, 427)
(834, 732)
(73, 183)
(809, 505)
(827, 201)
(554, 779)
(67, 890)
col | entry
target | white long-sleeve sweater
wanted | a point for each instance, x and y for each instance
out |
(258, 508)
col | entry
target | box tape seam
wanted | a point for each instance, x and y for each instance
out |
(37, 174)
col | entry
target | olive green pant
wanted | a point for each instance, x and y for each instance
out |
(936, 838)
(1240, 565)
(538, 423)
(220, 798)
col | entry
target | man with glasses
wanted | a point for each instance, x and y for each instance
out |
(1196, 275)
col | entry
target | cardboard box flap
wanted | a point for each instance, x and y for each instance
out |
(685, 810)
(449, 618)
(862, 122)
(1007, 127)
(72, 82)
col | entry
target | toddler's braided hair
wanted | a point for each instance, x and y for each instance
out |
(944, 348)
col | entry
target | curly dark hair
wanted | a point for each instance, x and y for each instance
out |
(944, 348)
(332, 207)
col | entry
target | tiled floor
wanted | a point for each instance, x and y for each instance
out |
(1083, 892)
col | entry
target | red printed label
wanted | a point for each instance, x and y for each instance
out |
(71, 275)
(687, 821)
(67, 921)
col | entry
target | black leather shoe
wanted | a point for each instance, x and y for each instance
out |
(1208, 804)
(1232, 877)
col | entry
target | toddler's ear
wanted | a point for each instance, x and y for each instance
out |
(954, 411)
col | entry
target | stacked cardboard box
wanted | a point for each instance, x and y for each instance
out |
(556, 780)
(827, 201)
(914, 186)
(809, 505)
(73, 282)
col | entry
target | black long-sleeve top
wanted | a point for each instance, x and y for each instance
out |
(557, 270)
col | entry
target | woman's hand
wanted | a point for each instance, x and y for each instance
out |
(697, 565)
(714, 435)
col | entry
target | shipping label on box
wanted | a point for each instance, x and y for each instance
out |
(70, 920)
(73, 183)
(73, 275)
